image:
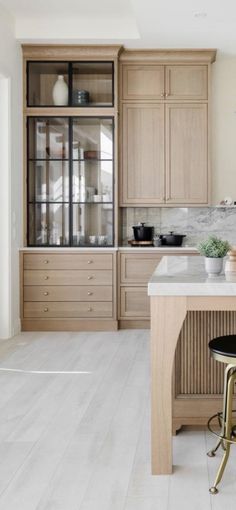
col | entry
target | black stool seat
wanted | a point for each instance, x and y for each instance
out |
(224, 345)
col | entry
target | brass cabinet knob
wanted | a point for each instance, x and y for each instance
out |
(46, 277)
(162, 95)
(167, 94)
(90, 309)
(45, 293)
(45, 309)
(46, 261)
(90, 277)
(90, 261)
(90, 293)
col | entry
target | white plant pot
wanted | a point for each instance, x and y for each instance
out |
(213, 266)
(60, 92)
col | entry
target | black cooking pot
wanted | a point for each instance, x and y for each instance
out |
(172, 239)
(143, 233)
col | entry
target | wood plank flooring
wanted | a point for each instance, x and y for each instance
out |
(81, 441)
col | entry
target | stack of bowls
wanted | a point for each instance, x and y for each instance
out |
(80, 97)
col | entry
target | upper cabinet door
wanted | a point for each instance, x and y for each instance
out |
(186, 82)
(142, 82)
(186, 154)
(143, 154)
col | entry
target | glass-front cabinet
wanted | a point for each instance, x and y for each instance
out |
(85, 84)
(70, 181)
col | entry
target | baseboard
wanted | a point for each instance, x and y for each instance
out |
(134, 324)
(68, 325)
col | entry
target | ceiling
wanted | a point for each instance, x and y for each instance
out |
(135, 23)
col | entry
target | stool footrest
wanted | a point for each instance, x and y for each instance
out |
(221, 436)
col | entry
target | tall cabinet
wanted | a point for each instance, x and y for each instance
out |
(68, 267)
(164, 103)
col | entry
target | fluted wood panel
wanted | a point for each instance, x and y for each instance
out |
(196, 373)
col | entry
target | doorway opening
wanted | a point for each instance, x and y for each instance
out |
(5, 210)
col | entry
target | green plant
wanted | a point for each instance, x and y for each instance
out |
(213, 247)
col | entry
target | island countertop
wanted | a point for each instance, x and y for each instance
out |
(186, 276)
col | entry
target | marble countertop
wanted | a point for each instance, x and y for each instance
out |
(186, 276)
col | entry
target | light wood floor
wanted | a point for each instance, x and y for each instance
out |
(82, 441)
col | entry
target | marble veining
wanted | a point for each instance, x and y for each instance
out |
(186, 276)
(195, 222)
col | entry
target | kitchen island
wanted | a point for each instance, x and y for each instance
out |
(178, 285)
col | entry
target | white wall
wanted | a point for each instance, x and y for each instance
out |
(224, 128)
(11, 205)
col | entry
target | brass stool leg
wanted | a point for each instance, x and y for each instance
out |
(227, 425)
(212, 452)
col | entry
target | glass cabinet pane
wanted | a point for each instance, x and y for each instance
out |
(48, 224)
(42, 77)
(92, 84)
(48, 181)
(92, 225)
(48, 138)
(92, 181)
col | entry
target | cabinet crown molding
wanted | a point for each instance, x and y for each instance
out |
(196, 56)
(70, 51)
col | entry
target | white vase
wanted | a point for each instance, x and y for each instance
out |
(213, 266)
(60, 92)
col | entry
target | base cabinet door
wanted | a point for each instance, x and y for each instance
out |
(142, 154)
(134, 303)
(186, 154)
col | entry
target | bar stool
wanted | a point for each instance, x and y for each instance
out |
(223, 349)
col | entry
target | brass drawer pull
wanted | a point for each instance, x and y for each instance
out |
(90, 309)
(46, 261)
(90, 277)
(90, 293)
(45, 309)
(90, 261)
(46, 277)
(45, 293)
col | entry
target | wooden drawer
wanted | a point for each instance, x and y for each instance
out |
(38, 277)
(134, 303)
(67, 309)
(142, 82)
(67, 293)
(137, 267)
(67, 261)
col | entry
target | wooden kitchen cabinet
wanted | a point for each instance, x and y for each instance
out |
(143, 173)
(165, 161)
(68, 291)
(154, 82)
(186, 82)
(143, 82)
(187, 180)
(164, 149)
(134, 271)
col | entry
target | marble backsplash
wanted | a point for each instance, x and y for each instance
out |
(196, 222)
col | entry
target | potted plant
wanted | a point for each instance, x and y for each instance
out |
(214, 250)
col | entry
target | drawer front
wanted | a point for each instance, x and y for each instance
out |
(137, 268)
(38, 277)
(134, 303)
(67, 310)
(67, 293)
(67, 261)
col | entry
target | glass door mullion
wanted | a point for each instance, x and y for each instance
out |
(70, 179)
